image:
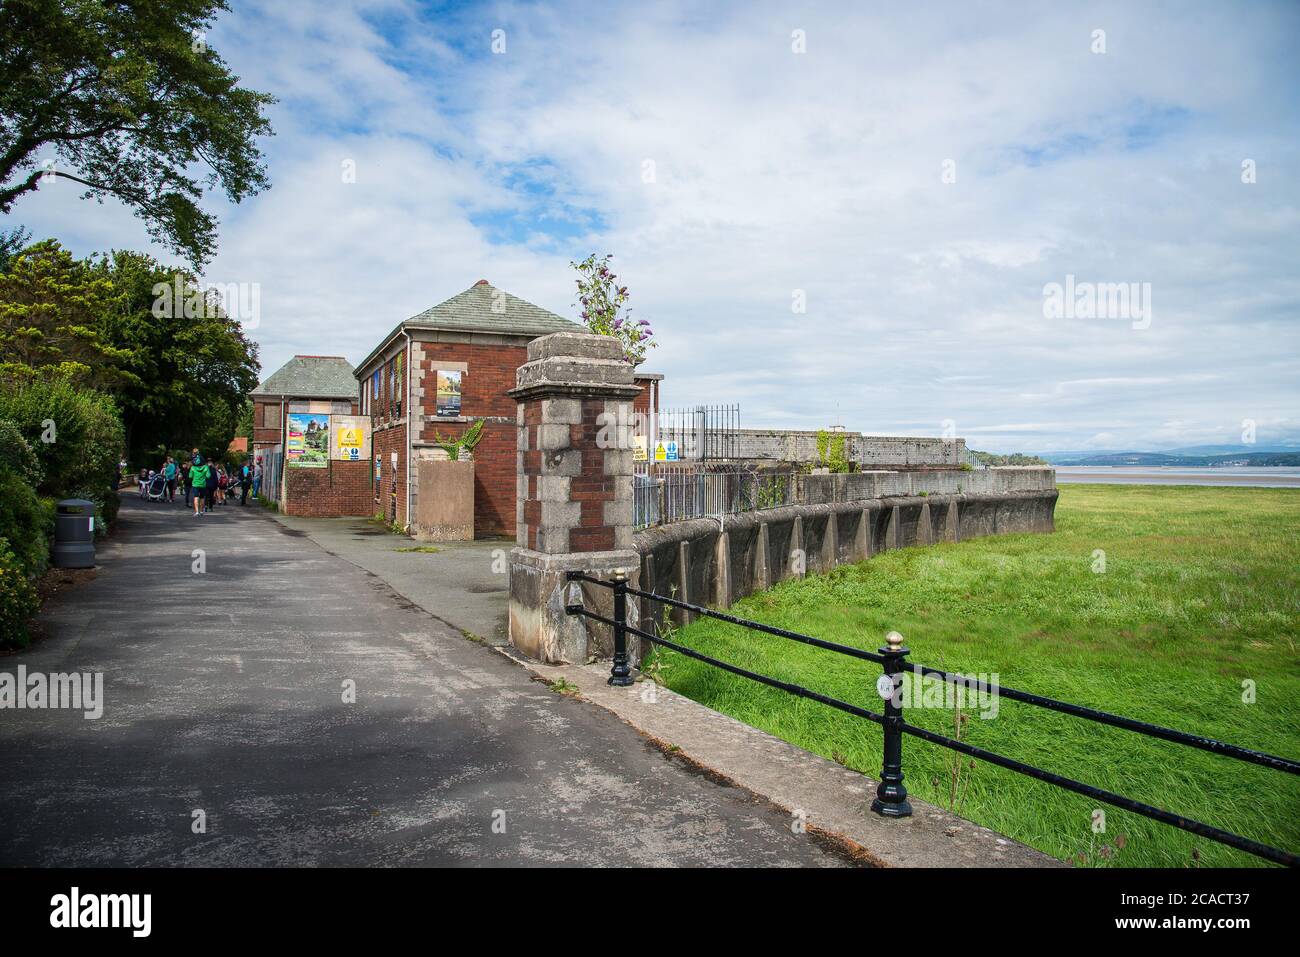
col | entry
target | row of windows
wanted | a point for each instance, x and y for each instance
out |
(381, 395)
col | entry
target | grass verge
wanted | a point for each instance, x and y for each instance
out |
(1166, 604)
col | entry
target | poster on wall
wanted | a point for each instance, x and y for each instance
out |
(308, 445)
(350, 437)
(448, 393)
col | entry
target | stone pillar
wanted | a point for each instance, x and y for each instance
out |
(762, 573)
(924, 526)
(722, 571)
(574, 508)
(862, 541)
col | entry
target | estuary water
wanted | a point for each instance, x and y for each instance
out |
(1276, 477)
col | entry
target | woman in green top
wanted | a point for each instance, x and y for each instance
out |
(199, 476)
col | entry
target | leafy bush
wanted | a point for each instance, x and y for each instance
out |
(75, 433)
(25, 521)
(18, 600)
(107, 502)
(18, 454)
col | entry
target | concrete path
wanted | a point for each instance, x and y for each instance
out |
(464, 584)
(223, 695)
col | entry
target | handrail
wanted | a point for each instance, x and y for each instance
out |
(891, 800)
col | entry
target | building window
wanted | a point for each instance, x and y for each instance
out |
(398, 388)
(449, 384)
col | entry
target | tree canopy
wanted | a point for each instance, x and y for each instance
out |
(127, 100)
(52, 309)
(179, 377)
(189, 372)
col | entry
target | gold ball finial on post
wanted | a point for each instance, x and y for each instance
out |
(894, 640)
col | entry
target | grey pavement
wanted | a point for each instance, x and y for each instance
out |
(465, 584)
(224, 693)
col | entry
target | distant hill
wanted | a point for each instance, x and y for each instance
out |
(1254, 459)
(1078, 457)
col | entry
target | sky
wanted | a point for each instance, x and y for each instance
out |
(840, 214)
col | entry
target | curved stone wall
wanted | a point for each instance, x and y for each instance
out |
(713, 562)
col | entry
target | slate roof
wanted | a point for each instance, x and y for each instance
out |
(472, 311)
(312, 377)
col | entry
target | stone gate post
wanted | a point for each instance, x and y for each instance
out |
(574, 500)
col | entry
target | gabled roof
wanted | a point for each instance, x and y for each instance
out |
(484, 308)
(312, 377)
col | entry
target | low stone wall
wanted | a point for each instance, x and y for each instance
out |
(868, 451)
(856, 486)
(708, 562)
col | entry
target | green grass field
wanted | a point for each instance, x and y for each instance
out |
(1200, 593)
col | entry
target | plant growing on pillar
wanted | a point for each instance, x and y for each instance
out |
(465, 442)
(602, 300)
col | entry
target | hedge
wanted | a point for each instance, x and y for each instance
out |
(18, 600)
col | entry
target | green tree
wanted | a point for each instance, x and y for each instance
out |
(191, 374)
(12, 241)
(51, 310)
(127, 99)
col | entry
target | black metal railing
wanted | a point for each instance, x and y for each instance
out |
(702, 433)
(891, 795)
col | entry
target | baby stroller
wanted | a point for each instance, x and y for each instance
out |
(156, 488)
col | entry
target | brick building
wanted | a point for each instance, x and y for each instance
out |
(435, 374)
(297, 413)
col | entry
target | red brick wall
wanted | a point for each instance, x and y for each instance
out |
(641, 403)
(490, 375)
(383, 443)
(340, 489)
(592, 488)
(344, 488)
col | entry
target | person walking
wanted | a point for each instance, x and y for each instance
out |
(210, 488)
(199, 473)
(169, 473)
(245, 480)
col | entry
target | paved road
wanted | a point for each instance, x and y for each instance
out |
(224, 693)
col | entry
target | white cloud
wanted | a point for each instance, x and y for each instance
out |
(819, 172)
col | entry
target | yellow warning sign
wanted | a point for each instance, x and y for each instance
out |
(350, 437)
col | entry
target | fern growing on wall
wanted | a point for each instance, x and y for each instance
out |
(464, 442)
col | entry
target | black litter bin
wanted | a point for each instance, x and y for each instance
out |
(74, 534)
